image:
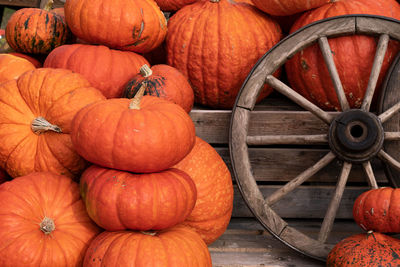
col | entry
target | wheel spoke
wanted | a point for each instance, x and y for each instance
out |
(389, 159)
(389, 113)
(370, 175)
(301, 178)
(392, 136)
(288, 139)
(330, 63)
(334, 204)
(299, 99)
(376, 69)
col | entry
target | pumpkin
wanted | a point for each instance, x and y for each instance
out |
(11, 67)
(137, 26)
(162, 81)
(173, 5)
(367, 249)
(288, 7)
(378, 210)
(215, 44)
(36, 31)
(43, 222)
(212, 212)
(31, 59)
(106, 69)
(118, 200)
(176, 246)
(141, 135)
(36, 113)
(3, 176)
(353, 56)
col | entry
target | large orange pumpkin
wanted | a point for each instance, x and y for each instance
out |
(106, 69)
(215, 43)
(11, 67)
(137, 26)
(162, 81)
(353, 56)
(368, 249)
(212, 212)
(36, 113)
(143, 136)
(118, 200)
(378, 210)
(173, 247)
(36, 31)
(288, 7)
(43, 222)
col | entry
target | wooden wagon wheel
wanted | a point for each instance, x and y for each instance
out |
(344, 144)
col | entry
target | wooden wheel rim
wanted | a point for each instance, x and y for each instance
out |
(262, 72)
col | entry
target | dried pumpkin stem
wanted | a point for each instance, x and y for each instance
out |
(47, 226)
(148, 233)
(135, 102)
(145, 71)
(41, 125)
(49, 5)
(214, 1)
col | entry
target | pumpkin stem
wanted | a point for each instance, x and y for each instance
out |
(41, 125)
(135, 102)
(148, 233)
(214, 1)
(48, 6)
(47, 226)
(145, 71)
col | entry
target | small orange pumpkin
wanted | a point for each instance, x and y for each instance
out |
(162, 81)
(36, 113)
(141, 135)
(172, 247)
(43, 222)
(118, 200)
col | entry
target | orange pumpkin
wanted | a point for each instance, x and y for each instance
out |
(36, 113)
(215, 44)
(143, 136)
(31, 59)
(162, 81)
(353, 56)
(36, 31)
(118, 200)
(288, 7)
(11, 67)
(137, 26)
(43, 222)
(106, 69)
(176, 246)
(212, 212)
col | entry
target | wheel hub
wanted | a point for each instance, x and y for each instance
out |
(356, 135)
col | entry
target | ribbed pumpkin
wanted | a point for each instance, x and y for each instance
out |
(43, 222)
(215, 44)
(11, 67)
(162, 81)
(106, 69)
(139, 135)
(36, 31)
(31, 59)
(288, 7)
(378, 210)
(118, 200)
(353, 56)
(213, 209)
(137, 26)
(368, 249)
(173, 247)
(173, 5)
(36, 113)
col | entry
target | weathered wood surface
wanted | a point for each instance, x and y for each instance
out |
(21, 3)
(246, 243)
(305, 202)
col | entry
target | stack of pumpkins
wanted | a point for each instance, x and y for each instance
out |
(159, 192)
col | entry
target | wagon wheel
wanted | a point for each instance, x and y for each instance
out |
(355, 136)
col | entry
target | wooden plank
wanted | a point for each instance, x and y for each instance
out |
(367, 25)
(21, 3)
(310, 202)
(268, 163)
